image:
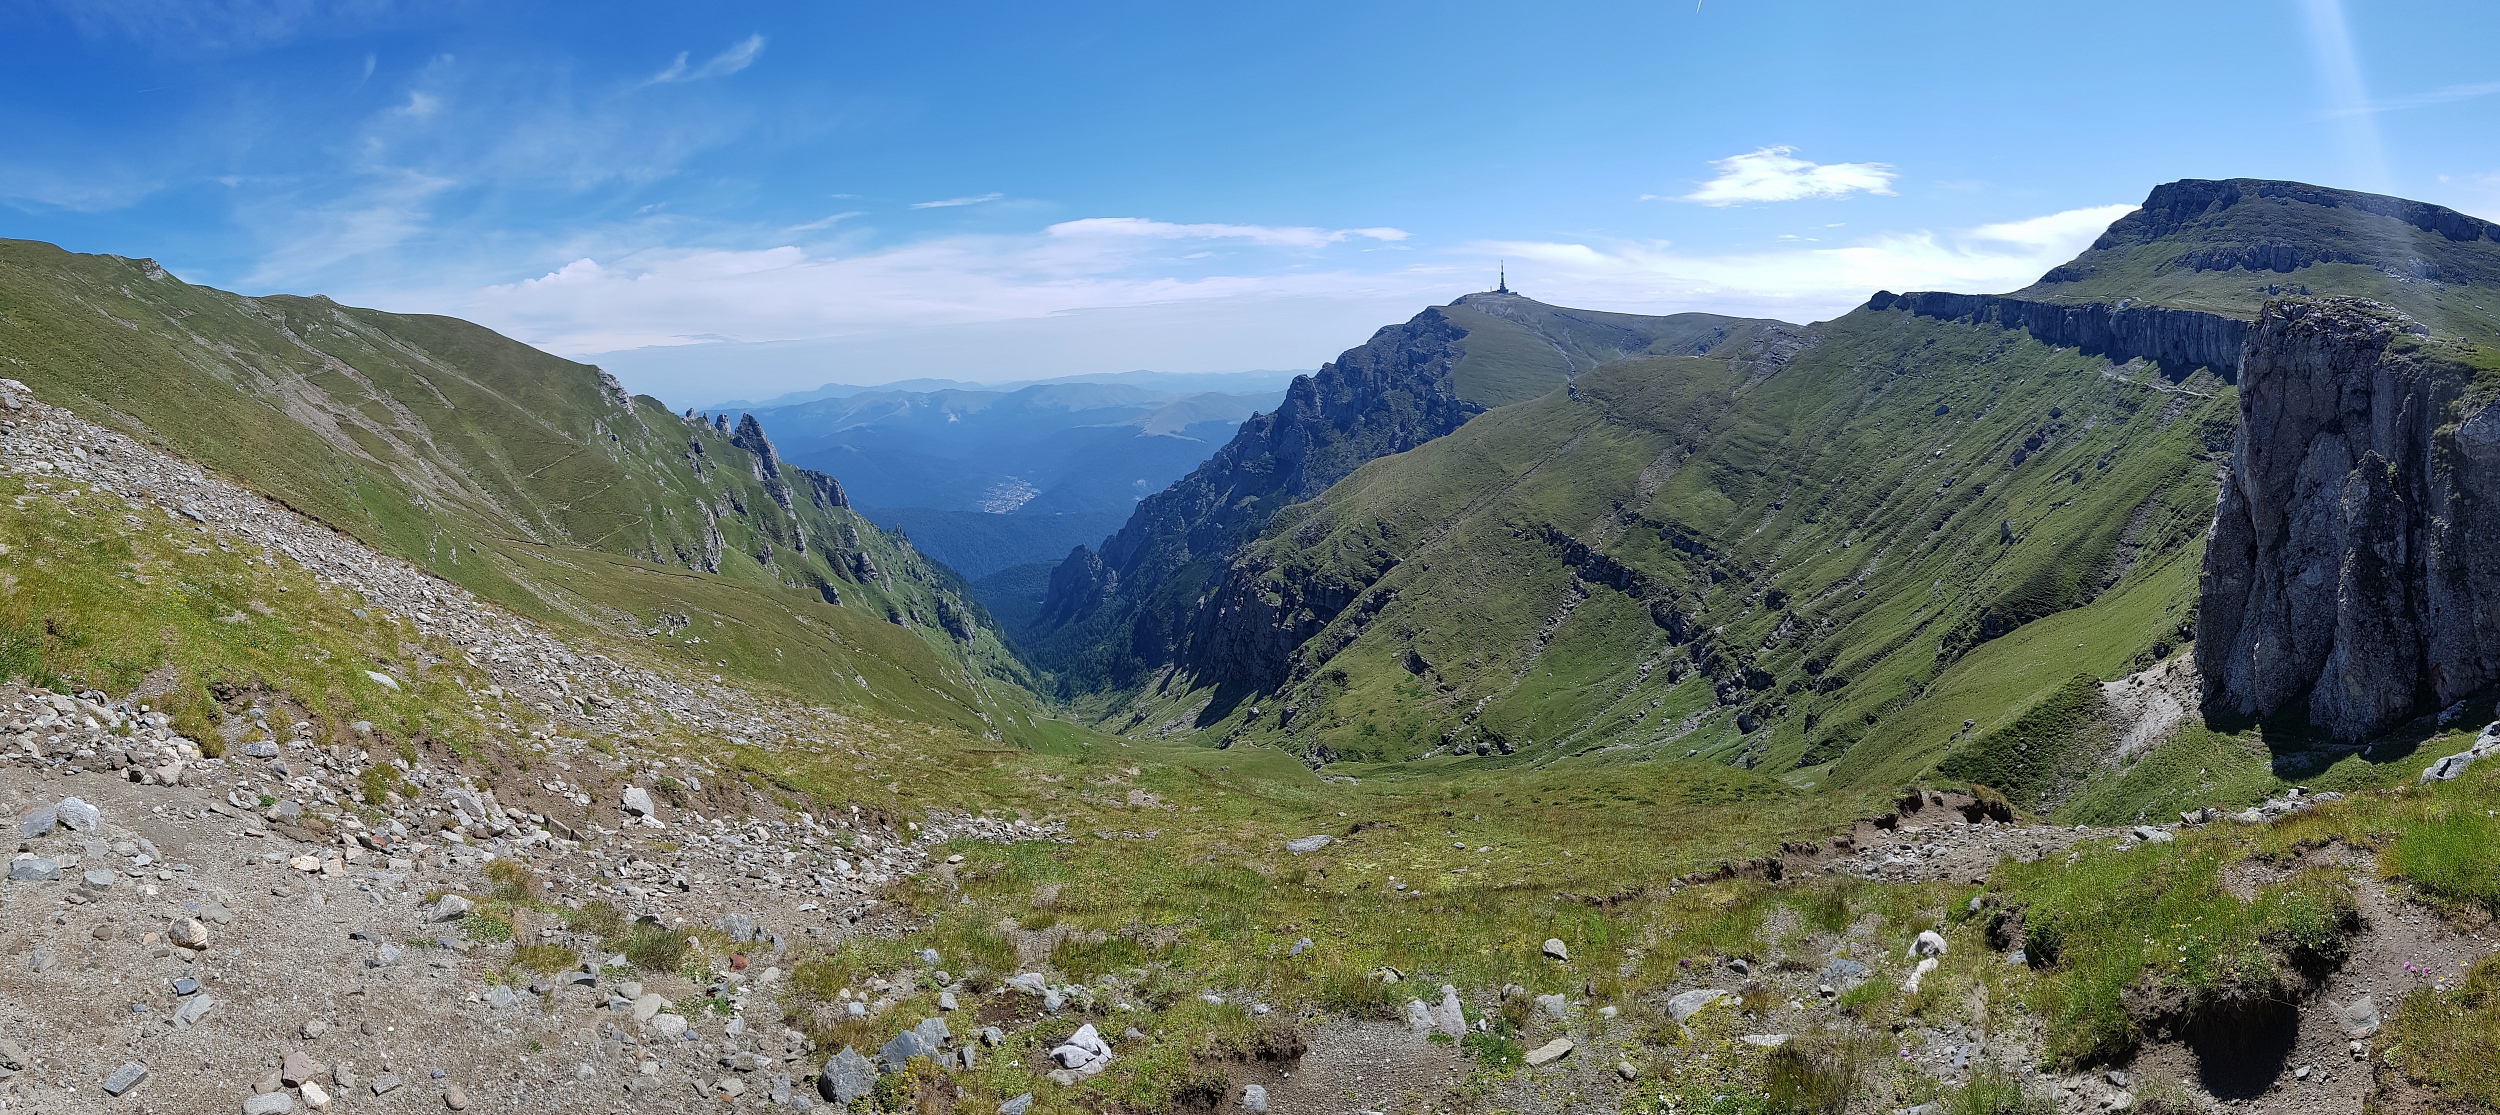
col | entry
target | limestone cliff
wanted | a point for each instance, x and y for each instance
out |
(2352, 568)
(2181, 340)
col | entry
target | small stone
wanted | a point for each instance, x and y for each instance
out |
(38, 822)
(296, 1068)
(189, 933)
(1553, 1006)
(847, 1076)
(1549, 1052)
(194, 1010)
(1929, 943)
(1554, 949)
(1690, 1003)
(125, 1078)
(2301, 1073)
(1627, 1070)
(455, 1098)
(1311, 843)
(12, 1055)
(315, 1096)
(1253, 1100)
(98, 879)
(78, 815)
(33, 869)
(1016, 1106)
(669, 1025)
(343, 1077)
(2360, 1017)
(946, 1001)
(269, 1103)
(638, 801)
(314, 1028)
(1302, 946)
(383, 1084)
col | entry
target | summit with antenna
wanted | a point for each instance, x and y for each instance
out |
(1501, 281)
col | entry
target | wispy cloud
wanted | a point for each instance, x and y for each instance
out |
(951, 202)
(1776, 174)
(739, 56)
(825, 222)
(2443, 96)
(1269, 235)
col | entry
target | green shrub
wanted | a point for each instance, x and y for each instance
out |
(1494, 1052)
(487, 928)
(546, 960)
(597, 919)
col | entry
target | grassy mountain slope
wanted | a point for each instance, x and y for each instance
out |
(1908, 549)
(1668, 559)
(1113, 620)
(531, 480)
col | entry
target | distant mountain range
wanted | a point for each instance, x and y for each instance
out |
(984, 478)
(1252, 382)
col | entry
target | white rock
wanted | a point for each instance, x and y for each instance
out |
(1690, 1003)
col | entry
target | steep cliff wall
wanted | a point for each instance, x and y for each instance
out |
(2183, 339)
(2354, 563)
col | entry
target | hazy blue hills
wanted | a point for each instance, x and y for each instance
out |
(988, 478)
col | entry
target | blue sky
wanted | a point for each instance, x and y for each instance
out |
(732, 199)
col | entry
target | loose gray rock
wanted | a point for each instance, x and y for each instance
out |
(902, 1049)
(189, 933)
(1418, 1016)
(1253, 1100)
(1448, 1016)
(1302, 946)
(12, 1056)
(455, 1097)
(384, 1084)
(79, 815)
(451, 907)
(1553, 1006)
(98, 879)
(269, 1103)
(847, 1076)
(33, 869)
(125, 1078)
(1554, 949)
(261, 749)
(933, 1033)
(38, 822)
(638, 801)
(1311, 843)
(1016, 1106)
(1549, 1052)
(738, 927)
(194, 1010)
(2360, 1017)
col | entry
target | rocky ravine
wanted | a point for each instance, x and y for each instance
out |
(176, 926)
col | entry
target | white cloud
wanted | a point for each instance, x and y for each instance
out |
(825, 222)
(1775, 174)
(1269, 235)
(1805, 282)
(629, 299)
(952, 202)
(739, 56)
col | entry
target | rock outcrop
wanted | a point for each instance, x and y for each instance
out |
(2352, 563)
(2181, 340)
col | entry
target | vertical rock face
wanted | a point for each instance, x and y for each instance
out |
(2183, 338)
(2354, 563)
